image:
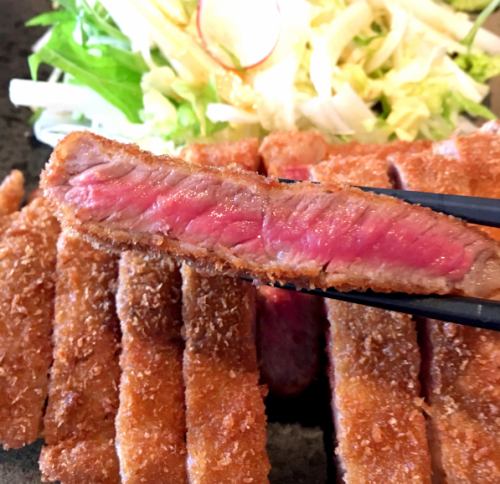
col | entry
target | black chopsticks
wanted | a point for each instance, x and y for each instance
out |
(478, 313)
(477, 210)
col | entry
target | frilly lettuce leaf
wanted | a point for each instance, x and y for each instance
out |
(110, 71)
(479, 66)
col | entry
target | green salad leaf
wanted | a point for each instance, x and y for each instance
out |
(85, 44)
(112, 72)
(478, 23)
(192, 104)
(479, 66)
(456, 102)
(469, 5)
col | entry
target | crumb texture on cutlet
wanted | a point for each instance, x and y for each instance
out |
(118, 195)
(226, 423)
(289, 324)
(378, 413)
(464, 394)
(461, 365)
(151, 421)
(27, 270)
(11, 192)
(352, 170)
(243, 153)
(79, 423)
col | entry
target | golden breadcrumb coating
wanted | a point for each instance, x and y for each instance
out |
(462, 364)
(464, 381)
(243, 153)
(11, 192)
(151, 420)
(380, 426)
(79, 424)
(225, 414)
(27, 274)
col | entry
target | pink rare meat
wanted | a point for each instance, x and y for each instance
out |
(244, 223)
(289, 324)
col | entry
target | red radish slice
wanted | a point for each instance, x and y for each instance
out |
(239, 34)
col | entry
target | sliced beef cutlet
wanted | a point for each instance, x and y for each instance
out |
(289, 325)
(79, 423)
(246, 224)
(380, 428)
(11, 192)
(243, 154)
(462, 364)
(151, 422)
(27, 279)
(290, 328)
(374, 370)
(226, 423)
(294, 155)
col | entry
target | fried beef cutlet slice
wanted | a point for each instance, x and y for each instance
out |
(294, 154)
(243, 223)
(290, 329)
(243, 154)
(79, 423)
(11, 192)
(27, 279)
(226, 422)
(379, 423)
(213, 461)
(374, 368)
(463, 387)
(461, 364)
(289, 324)
(151, 421)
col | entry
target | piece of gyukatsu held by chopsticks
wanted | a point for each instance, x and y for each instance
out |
(477, 210)
(479, 313)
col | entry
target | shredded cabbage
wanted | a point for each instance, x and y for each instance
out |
(368, 70)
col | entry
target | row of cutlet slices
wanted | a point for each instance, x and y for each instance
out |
(412, 400)
(379, 375)
(139, 354)
(387, 370)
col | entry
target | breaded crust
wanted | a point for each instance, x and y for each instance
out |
(79, 423)
(380, 426)
(481, 280)
(225, 414)
(464, 394)
(243, 153)
(11, 192)
(461, 365)
(352, 170)
(27, 279)
(151, 421)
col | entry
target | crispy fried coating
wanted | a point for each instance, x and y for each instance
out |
(352, 170)
(464, 393)
(260, 231)
(243, 153)
(375, 362)
(380, 426)
(462, 364)
(226, 423)
(79, 424)
(151, 421)
(11, 192)
(27, 274)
